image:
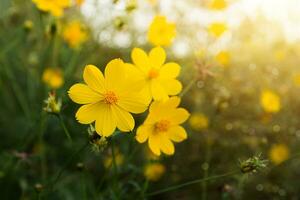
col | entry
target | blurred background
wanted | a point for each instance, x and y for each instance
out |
(241, 79)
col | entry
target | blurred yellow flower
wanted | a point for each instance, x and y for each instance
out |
(154, 171)
(223, 58)
(108, 100)
(279, 153)
(217, 29)
(198, 121)
(162, 126)
(74, 34)
(270, 101)
(161, 32)
(53, 77)
(158, 79)
(218, 4)
(108, 161)
(79, 2)
(153, 2)
(280, 55)
(55, 7)
(296, 79)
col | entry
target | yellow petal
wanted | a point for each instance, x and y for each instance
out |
(166, 145)
(154, 144)
(124, 119)
(82, 94)
(169, 70)
(177, 134)
(106, 122)
(171, 86)
(140, 59)
(157, 57)
(178, 116)
(133, 102)
(94, 78)
(143, 132)
(158, 91)
(115, 75)
(88, 113)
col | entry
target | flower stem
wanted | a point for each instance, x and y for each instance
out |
(188, 87)
(66, 131)
(175, 187)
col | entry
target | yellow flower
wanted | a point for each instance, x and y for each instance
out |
(198, 121)
(223, 58)
(162, 126)
(74, 34)
(79, 2)
(119, 159)
(108, 101)
(270, 101)
(161, 32)
(279, 153)
(218, 4)
(217, 29)
(154, 171)
(53, 77)
(55, 7)
(280, 55)
(296, 79)
(158, 79)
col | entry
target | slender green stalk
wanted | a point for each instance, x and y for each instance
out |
(188, 87)
(115, 169)
(83, 186)
(175, 187)
(66, 131)
(206, 168)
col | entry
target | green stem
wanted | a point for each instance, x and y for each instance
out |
(66, 131)
(115, 169)
(175, 187)
(83, 187)
(207, 161)
(188, 87)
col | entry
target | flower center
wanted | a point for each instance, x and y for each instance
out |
(153, 73)
(110, 97)
(162, 126)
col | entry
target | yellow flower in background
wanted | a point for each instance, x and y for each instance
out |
(53, 77)
(161, 32)
(108, 101)
(198, 121)
(296, 79)
(153, 2)
(79, 2)
(280, 55)
(158, 78)
(218, 4)
(279, 153)
(154, 171)
(270, 101)
(74, 34)
(108, 161)
(217, 29)
(55, 7)
(162, 126)
(223, 58)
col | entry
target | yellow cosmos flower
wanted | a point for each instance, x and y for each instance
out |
(217, 29)
(218, 4)
(198, 121)
(108, 101)
(270, 101)
(53, 77)
(154, 171)
(55, 7)
(223, 58)
(279, 153)
(158, 79)
(162, 126)
(296, 79)
(74, 34)
(161, 32)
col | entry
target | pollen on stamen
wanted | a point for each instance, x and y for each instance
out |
(162, 126)
(153, 73)
(110, 97)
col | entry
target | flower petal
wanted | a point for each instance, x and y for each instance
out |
(157, 57)
(115, 75)
(87, 114)
(170, 70)
(154, 144)
(166, 145)
(134, 102)
(94, 78)
(124, 119)
(106, 122)
(158, 91)
(142, 133)
(171, 86)
(82, 94)
(140, 59)
(177, 133)
(178, 116)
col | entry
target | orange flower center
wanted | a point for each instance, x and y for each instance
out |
(162, 126)
(153, 73)
(110, 97)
